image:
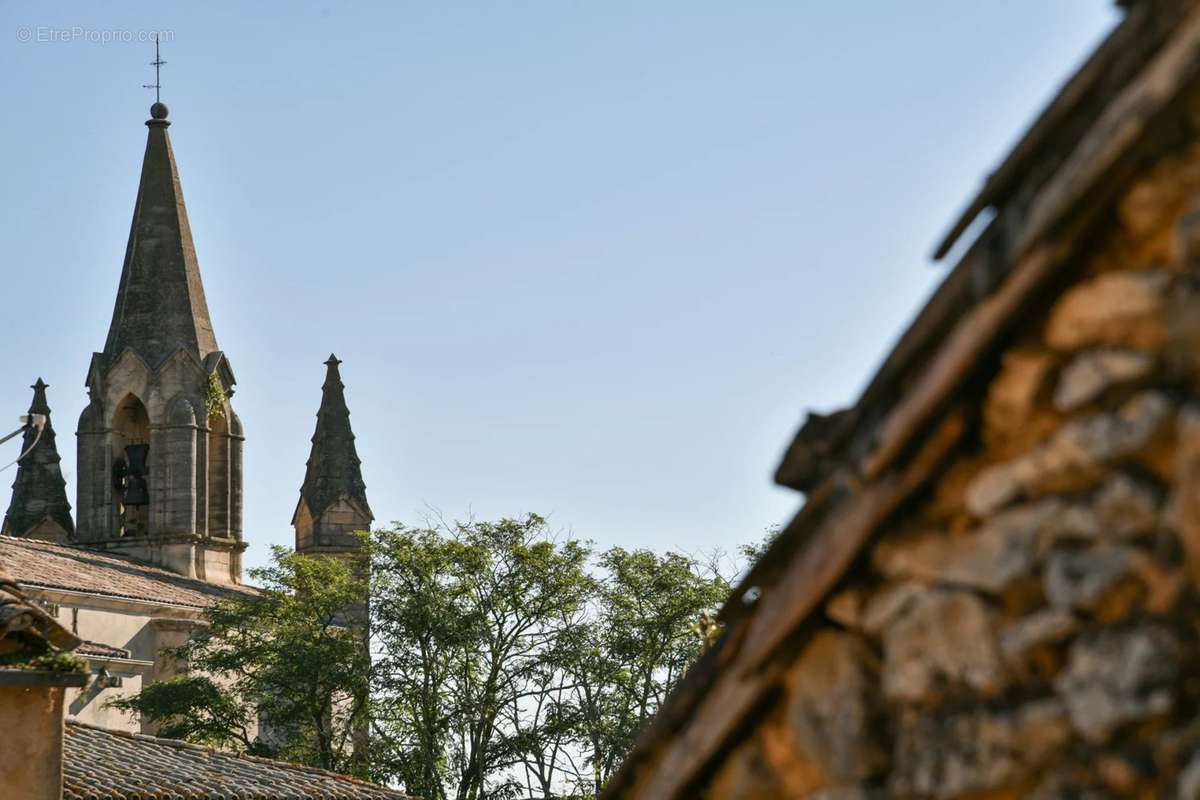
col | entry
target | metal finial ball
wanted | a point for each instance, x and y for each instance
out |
(158, 111)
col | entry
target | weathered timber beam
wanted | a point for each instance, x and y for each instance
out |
(836, 543)
(1121, 123)
(1048, 122)
(973, 334)
(1112, 135)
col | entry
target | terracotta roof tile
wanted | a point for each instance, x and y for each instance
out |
(34, 563)
(100, 764)
(29, 626)
(100, 650)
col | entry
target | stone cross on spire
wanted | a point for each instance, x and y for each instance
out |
(39, 507)
(333, 499)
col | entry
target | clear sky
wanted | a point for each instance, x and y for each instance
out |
(593, 260)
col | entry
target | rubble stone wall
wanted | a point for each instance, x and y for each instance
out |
(1031, 628)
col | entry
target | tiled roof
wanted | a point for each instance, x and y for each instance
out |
(30, 562)
(101, 650)
(99, 764)
(27, 624)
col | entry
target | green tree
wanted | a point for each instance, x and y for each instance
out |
(292, 656)
(465, 619)
(753, 551)
(637, 647)
(503, 662)
(423, 620)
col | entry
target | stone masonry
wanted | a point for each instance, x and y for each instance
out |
(39, 508)
(991, 591)
(160, 446)
(1029, 630)
(333, 499)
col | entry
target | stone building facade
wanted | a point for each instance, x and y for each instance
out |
(124, 611)
(992, 588)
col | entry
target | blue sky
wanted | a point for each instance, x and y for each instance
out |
(593, 260)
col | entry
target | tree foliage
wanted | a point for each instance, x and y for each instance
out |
(504, 661)
(635, 649)
(514, 664)
(464, 620)
(284, 672)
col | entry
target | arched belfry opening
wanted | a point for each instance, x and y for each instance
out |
(131, 422)
(130, 454)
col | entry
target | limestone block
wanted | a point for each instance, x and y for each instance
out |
(1182, 356)
(1103, 437)
(1119, 676)
(942, 638)
(1185, 494)
(1048, 626)
(1099, 777)
(1121, 309)
(1013, 394)
(995, 487)
(1126, 509)
(1189, 780)
(1094, 372)
(976, 752)
(989, 559)
(1118, 774)
(1176, 753)
(1149, 202)
(1119, 510)
(832, 708)
(1076, 457)
(847, 793)
(1074, 781)
(846, 607)
(1162, 585)
(1082, 579)
(886, 604)
(760, 769)
(1007, 546)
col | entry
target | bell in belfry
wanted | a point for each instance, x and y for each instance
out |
(136, 493)
(119, 472)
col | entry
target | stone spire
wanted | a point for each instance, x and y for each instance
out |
(39, 507)
(160, 303)
(159, 445)
(333, 499)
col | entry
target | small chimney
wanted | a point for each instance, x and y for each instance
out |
(35, 669)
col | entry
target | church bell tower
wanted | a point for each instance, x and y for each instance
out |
(159, 445)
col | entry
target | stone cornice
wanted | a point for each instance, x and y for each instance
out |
(104, 602)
